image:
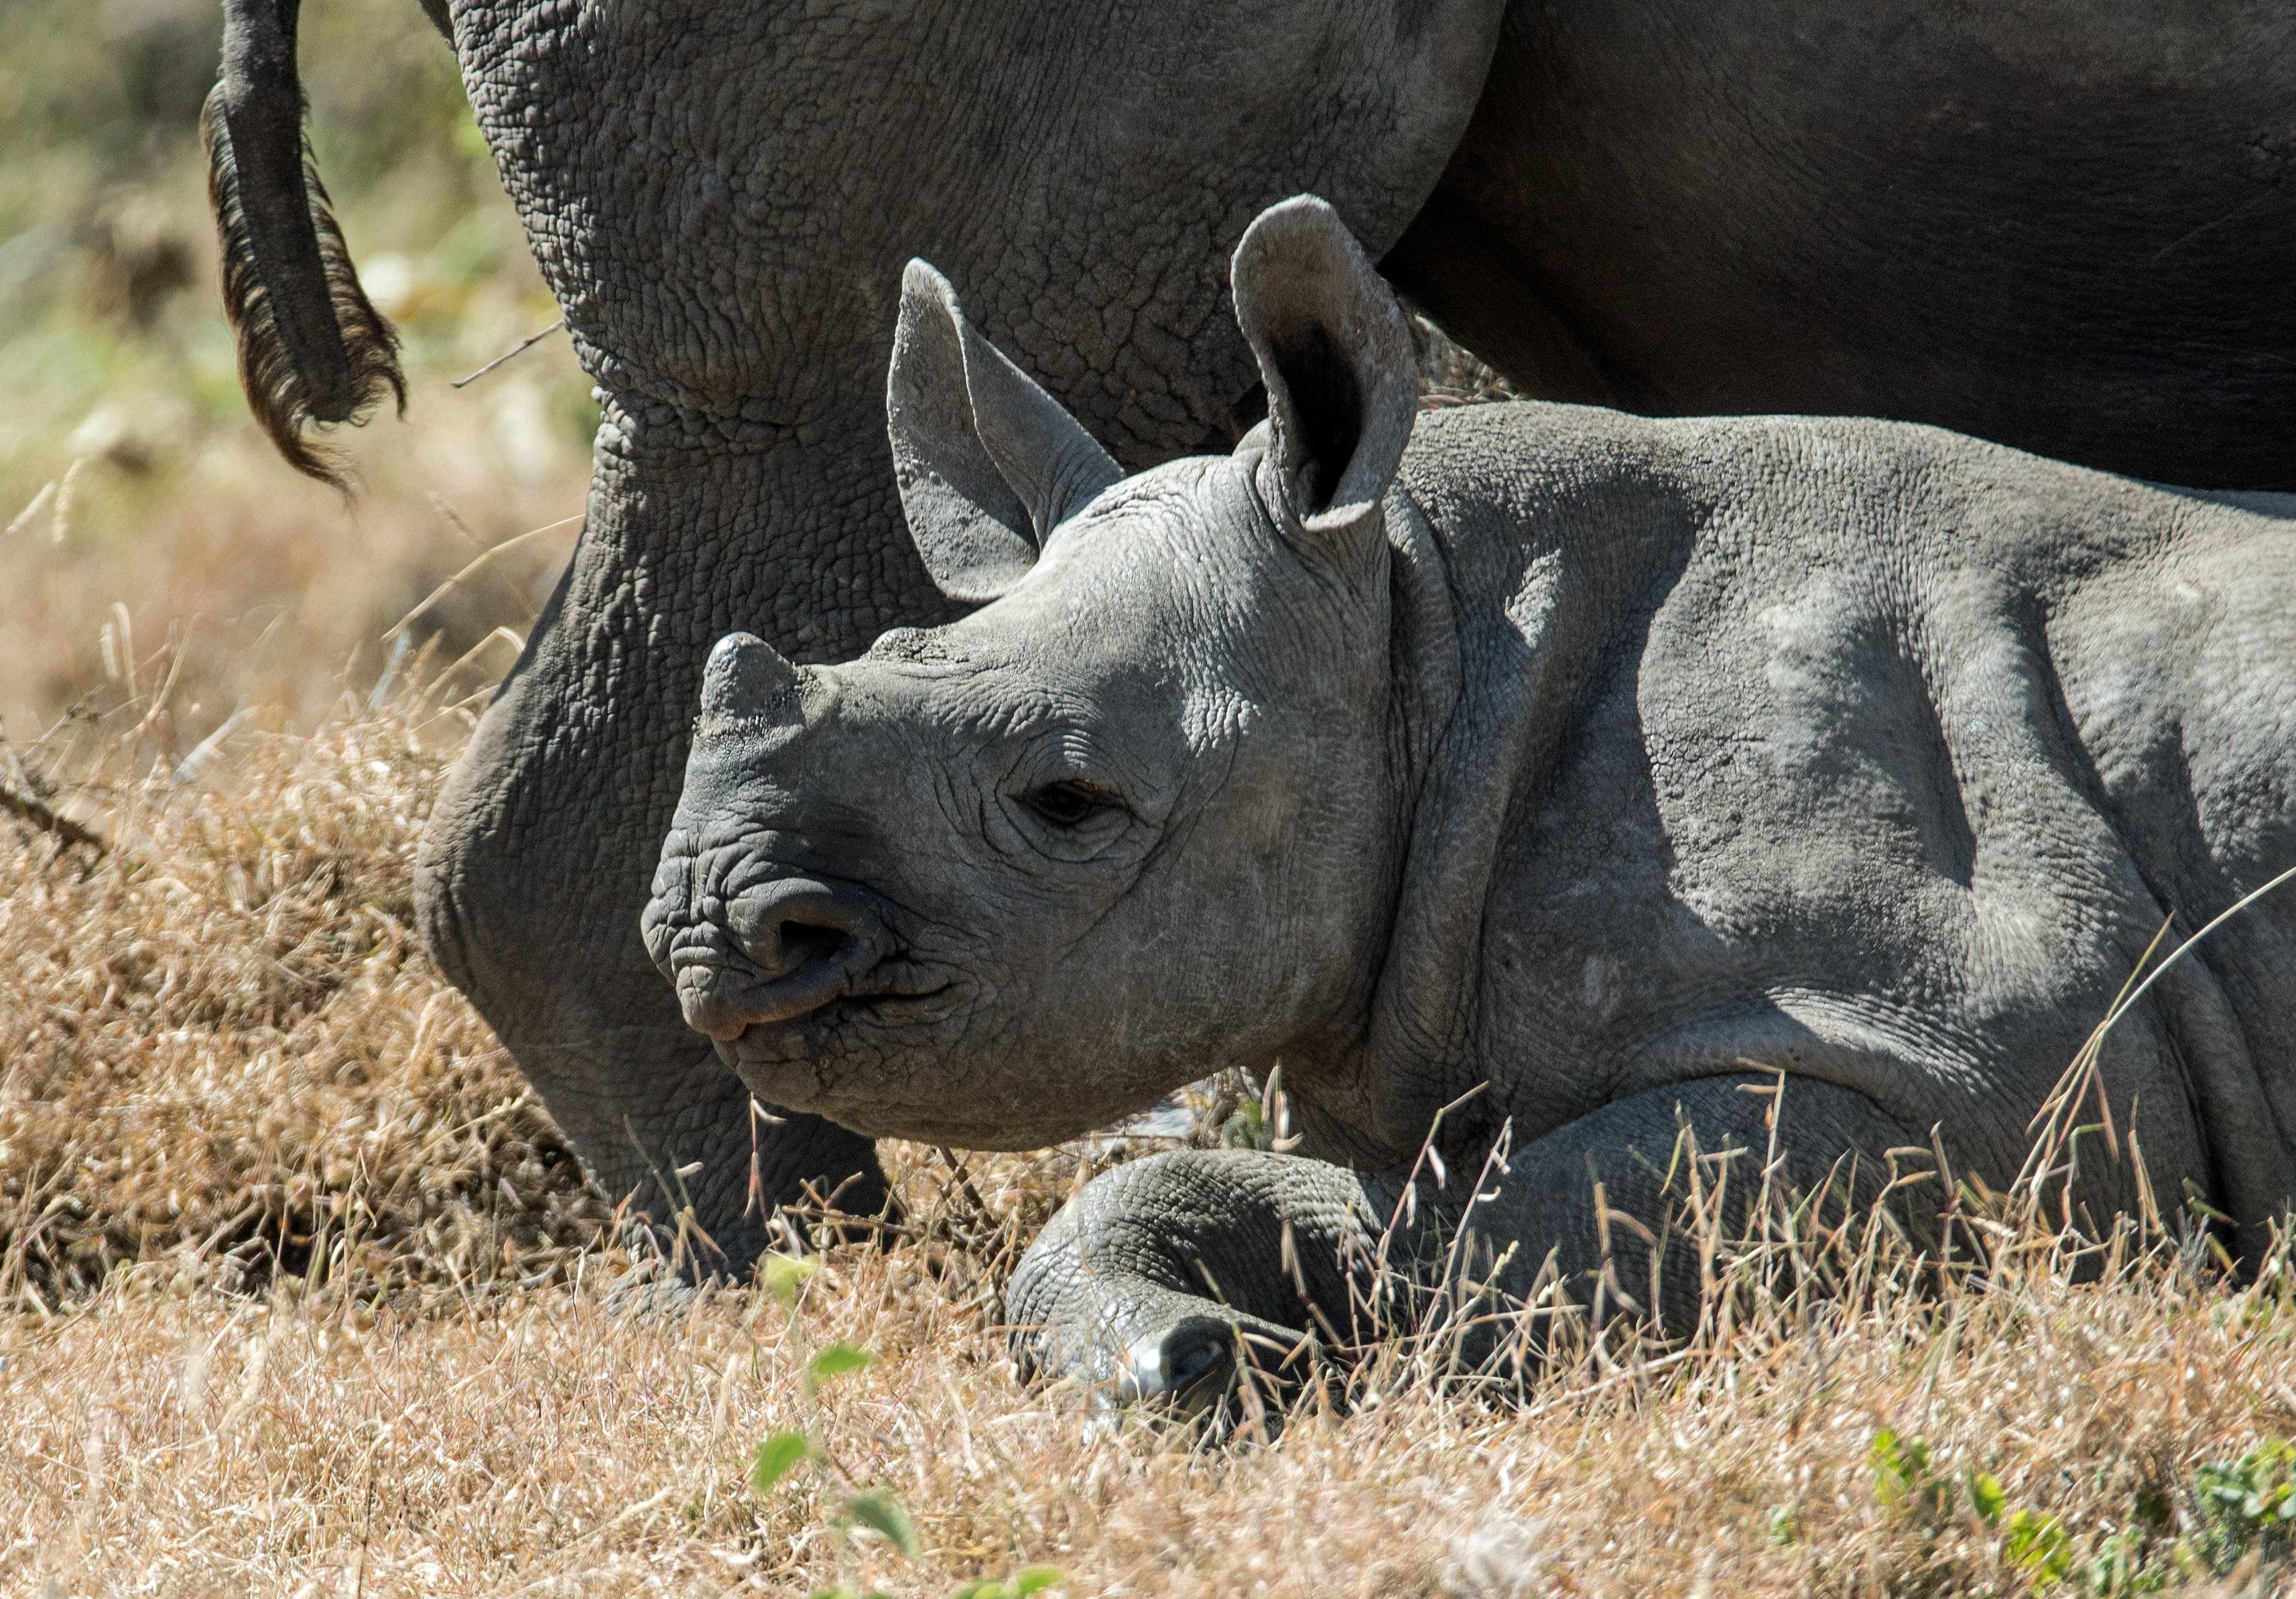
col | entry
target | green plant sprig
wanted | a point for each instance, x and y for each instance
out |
(781, 1452)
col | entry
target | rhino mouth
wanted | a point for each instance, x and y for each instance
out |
(735, 997)
(785, 1011)
(781, 950)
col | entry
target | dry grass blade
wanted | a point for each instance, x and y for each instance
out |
(515, 350)
(2054, 1124)
(229, 1052)
(480, 563)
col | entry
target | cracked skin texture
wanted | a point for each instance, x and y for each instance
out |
(1616, 204)
(1588, 774)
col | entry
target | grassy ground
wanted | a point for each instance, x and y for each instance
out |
(300, 1294)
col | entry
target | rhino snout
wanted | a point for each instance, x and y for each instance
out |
(779, 950)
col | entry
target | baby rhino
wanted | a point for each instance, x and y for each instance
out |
(1592, 776)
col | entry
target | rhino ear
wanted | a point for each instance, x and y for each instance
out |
(1341, 376)
(989, 463)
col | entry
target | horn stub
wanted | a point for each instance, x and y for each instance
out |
(745, 681)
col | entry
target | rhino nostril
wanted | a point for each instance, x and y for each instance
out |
(787, 926)
(804, 943)
(775, 950)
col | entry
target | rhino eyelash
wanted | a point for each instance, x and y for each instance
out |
(1068, 802)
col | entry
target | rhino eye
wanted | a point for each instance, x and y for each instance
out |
(1067, 803)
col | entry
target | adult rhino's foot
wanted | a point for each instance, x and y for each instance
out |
(1168, 1284)
(729, 1180)
(678, 1248)
(653, 1287)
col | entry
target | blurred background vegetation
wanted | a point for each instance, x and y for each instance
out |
(152, 540)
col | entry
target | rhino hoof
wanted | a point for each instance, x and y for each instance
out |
(651, 1293)
(1187, 1369)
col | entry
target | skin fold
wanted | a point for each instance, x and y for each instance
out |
(1798, 786)
(2067, 232)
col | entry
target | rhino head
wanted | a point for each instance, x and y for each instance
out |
(1133, 818)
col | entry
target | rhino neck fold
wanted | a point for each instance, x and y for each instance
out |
(1501, 630)
(1418, 1017)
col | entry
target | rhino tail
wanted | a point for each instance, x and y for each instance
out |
(313, 350)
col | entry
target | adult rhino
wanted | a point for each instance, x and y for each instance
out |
(2070, 230)
(1577, 771)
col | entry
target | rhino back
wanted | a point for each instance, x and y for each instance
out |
(1856, 750)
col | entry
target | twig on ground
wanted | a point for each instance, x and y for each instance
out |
(40, 814)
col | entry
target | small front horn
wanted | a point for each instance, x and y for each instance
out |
(745, 679)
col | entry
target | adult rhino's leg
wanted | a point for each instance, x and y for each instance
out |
(541, 849)
(1143, 1283)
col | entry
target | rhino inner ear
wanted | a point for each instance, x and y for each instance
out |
(1336, 356)
(987, 463)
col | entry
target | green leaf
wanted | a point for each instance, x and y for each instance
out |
(1782, 1525)
(1899, 1466)
(835, 1361)
(784, 1274)
(877, 1509)
(2038, 1545)
(1027, 1580)
(1986, 1494)
(2118, 1568)
(1905, 1480)
(772, 1458)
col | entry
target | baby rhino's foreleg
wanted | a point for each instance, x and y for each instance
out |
(1146, 1283)
(1154, 1280)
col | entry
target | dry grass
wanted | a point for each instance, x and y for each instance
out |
(305, 1297)
(231, 583)
(224, 1046)
(465, 1443)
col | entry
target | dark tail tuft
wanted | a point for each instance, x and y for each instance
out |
(313, 350)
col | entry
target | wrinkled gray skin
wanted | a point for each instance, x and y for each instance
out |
(1597, 767)
(2070, 233)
